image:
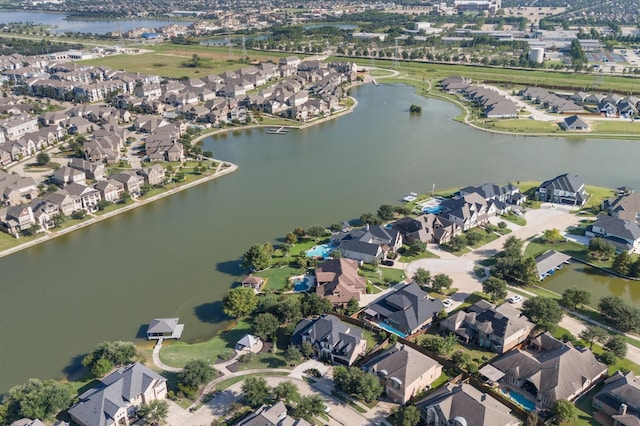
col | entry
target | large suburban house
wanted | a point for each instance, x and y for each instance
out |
(275, 415)
(427, 228)
(549, 370)
(117, 398)
(625, 206)
(508, 193)
(164, 328)
(405, 310)
(460, 404)
(498, 329)
(468, 211)
(331, 339)
(619, 399)
(622, 233)
(338, 281)
(564, 189)
(404, 372)
(369, 244)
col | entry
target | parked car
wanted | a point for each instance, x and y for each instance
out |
(515, 299)
(387, 262)
(447, 303)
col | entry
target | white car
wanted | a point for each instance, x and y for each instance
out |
(515, 299)
(447, 303)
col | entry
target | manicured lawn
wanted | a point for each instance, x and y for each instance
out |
(176, 354)
(392, 275)
(597, 195)
(424, 255)
(520, 125)
(112, 207)
(617, 126)
(536, 248)
(514, 218)
(225, 384)
(264, 360)
(585, 409)
(71, 222)
(487, 238)
(278, 278)
(277, 121)
(7, 241)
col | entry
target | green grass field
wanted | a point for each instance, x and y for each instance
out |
(520, 125)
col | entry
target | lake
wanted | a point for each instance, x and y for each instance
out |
(179, 256)
(61, 24)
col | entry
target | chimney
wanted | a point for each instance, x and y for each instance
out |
(622, 410)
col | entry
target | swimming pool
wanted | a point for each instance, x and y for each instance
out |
(302, 283)
(520, 399)
(391, 329)
(321, 250)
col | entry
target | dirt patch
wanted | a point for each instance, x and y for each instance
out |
(267, 347)
(234, 368)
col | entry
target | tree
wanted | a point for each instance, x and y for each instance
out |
(532, 419)
(495, 287)
(196, 373)
(257, 257)
(622, 263)
(415, 109)
(370, 219)
(439, 345)
(416, 247)
(458, 242)
(601, 248)
(256, 391)
(309, 406)
(385, 212)
(354, 381)
(474, 236)
(544, 312)
(154, 412)
(307, 349)
(125, 197)
(441, 281)
(406, 416)
(265, 326)
(312, 304)
(239, 302)
(36, 399)
(287, 392)
(316, 231)
(512, 247)
(617, 346)
(289, 310)
(552, 236)
(352, 306)
(293, 354)
(422, 277)
(572, 297)
(594, 334)
(107, 354)
(625, 317)
(290, 238)
(463, 360)
(42, 159)
(564, 411)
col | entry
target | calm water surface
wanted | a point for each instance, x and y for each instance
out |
(62, 25)
(179, 256)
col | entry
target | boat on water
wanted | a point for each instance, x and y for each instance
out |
(411, 197)
(278, 130)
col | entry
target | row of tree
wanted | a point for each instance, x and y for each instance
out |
(257, 392)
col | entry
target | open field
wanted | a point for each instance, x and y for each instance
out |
(166, 59)
(520, 125)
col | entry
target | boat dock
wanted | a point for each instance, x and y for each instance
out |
(375, 83)
(278, 131)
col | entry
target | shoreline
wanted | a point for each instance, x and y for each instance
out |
(137, 203)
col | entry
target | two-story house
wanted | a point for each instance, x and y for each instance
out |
(564, 189)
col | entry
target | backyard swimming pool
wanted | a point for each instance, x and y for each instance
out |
(321, 250)
(391, 329)
(520, 399)
(302, 283)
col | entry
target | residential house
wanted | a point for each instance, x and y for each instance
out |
(338, 281)
(497, 329)
(89, 197)
(331, 339)
(92, 170)
(275, 415)
(549, 370)
(407, 309)
(66, 175)
(63, 202)
(118, 396)
(622, 233)
(16, 127)
(15, 189)
(15, 219)
(131, 181)
(564, 189)
(624, 206)
(253, 282)
(575, 124)
(404, 372)
(460, 404)
(427, 228)
(468, 211)
(619, 399)
(110, 190)
(153, 175)
(508, 193)
(368, 244)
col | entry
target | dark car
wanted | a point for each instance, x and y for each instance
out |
(387, 263)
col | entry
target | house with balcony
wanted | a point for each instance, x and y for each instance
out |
(118, 396)
(498, 329)
(331, 339)
(566, 189)
(367, 244)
